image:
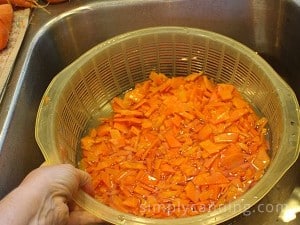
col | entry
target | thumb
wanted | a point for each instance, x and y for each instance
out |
(83, 218)
(85, 182)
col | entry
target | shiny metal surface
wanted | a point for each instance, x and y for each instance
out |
(54, 40)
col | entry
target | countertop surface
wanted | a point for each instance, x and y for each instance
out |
(9, 54)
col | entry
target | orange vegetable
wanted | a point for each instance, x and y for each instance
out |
(182, 141)
(192, 192)
(172, 141)
(29, 3)
(226, 137)
(21, 3)
(6, 18)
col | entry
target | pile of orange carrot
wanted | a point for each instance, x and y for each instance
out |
(176, 147)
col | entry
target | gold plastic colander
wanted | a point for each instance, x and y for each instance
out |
(80, 93)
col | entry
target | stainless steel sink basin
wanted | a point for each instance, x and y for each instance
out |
(269, 27)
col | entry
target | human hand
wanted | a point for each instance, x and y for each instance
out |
(51, 189)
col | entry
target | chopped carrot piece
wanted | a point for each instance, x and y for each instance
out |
(205, 132)
(225, 91)
(157, 78)
(167, 168)
(191, 192)
(131, 202)
(139, 190)
(211, 147)
(172, 141)
(132, 165)
(262, 159)
(168, 194)
(228, 137)
(87, 142)
(106, 179)
(208, 179)
(232, 160)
